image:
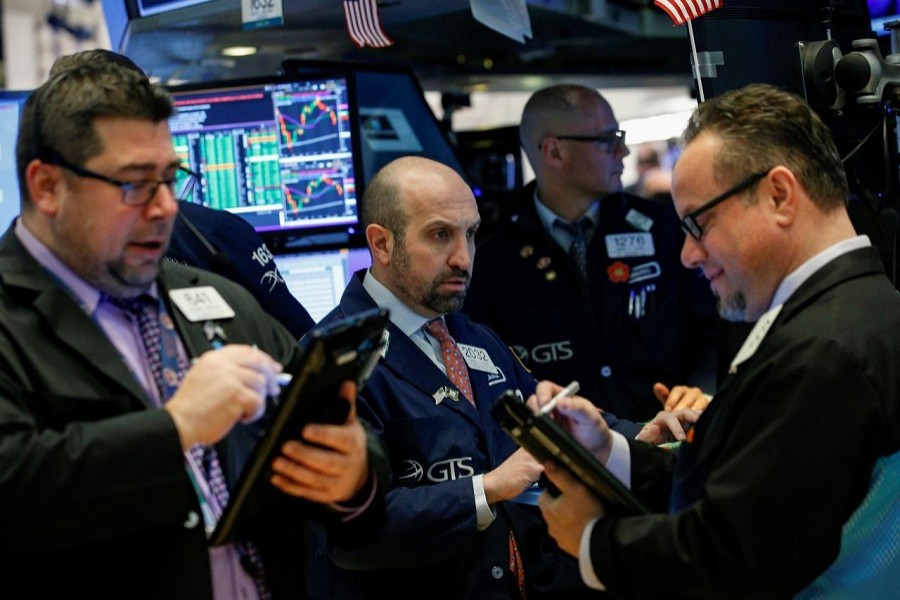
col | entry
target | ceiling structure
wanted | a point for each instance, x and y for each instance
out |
(605, 43)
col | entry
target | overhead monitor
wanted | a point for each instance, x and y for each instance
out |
(11, 103)
(281, 153)
(395, 119)
(152, 7)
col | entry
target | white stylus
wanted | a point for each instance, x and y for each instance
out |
(569, 390)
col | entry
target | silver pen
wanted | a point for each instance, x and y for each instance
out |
(567, 391)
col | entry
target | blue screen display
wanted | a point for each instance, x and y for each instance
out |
(10, 111)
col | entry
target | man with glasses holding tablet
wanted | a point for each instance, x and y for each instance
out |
(121, 424)
(592, 286)
(758, 501)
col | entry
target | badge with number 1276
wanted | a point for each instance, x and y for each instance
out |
(624, 245)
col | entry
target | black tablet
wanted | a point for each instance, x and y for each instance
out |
(340, 351)
(546, 440)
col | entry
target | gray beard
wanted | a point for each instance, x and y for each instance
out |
(733, 308)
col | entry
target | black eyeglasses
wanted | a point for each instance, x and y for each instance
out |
(689, 223)
(136, 193)
(612, 140)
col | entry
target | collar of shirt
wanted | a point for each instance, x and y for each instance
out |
(228, 574)
(547, 217)
(793, 281)
(86, 295)
(405, 319)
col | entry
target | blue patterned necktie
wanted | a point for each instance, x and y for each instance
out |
(168, 367)
(578, 249)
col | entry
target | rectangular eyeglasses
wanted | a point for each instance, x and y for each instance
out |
(136, 193)
(689, 223)
(612, 140)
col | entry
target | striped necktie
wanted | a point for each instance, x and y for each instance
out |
(578, 249)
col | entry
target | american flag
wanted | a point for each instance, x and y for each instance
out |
(682, 11)
(364, 24)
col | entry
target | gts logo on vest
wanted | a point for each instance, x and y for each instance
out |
(444, 470)
(544, 353)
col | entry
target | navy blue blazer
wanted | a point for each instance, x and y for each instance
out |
(430, 544)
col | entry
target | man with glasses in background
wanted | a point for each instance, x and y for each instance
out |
(592, 288)
(121, 427)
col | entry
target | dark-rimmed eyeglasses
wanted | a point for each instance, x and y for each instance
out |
(612, 140)
(689, 223)
(136, 193)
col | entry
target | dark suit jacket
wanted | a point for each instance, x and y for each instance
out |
(781, 457)
(94, 496)
(430, 546)
(526, 288)
(224, 243)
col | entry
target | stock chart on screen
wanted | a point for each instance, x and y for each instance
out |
(278, 153)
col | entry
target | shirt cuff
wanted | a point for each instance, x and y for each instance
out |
(585, 566)
(484, 514)
(619, 462)
(348, 513)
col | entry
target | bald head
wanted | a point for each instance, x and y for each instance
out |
(556, 110)
(392, 190)
(421, 218)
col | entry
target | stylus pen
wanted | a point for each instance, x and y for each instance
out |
(567, 391)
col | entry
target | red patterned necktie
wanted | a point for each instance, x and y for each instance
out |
(168, 370)
(457, 371)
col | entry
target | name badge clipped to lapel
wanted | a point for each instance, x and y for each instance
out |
(757, 335)
(638, 220)
(477, 358)
(202, 303)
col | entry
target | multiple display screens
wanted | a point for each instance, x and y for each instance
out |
(288, 154)
(281, 154)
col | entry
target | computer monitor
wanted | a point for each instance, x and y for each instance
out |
(317, 278)
(279, 152)
(395, 120)
(11, 103)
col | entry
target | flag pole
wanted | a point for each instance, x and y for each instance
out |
(696, 62)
